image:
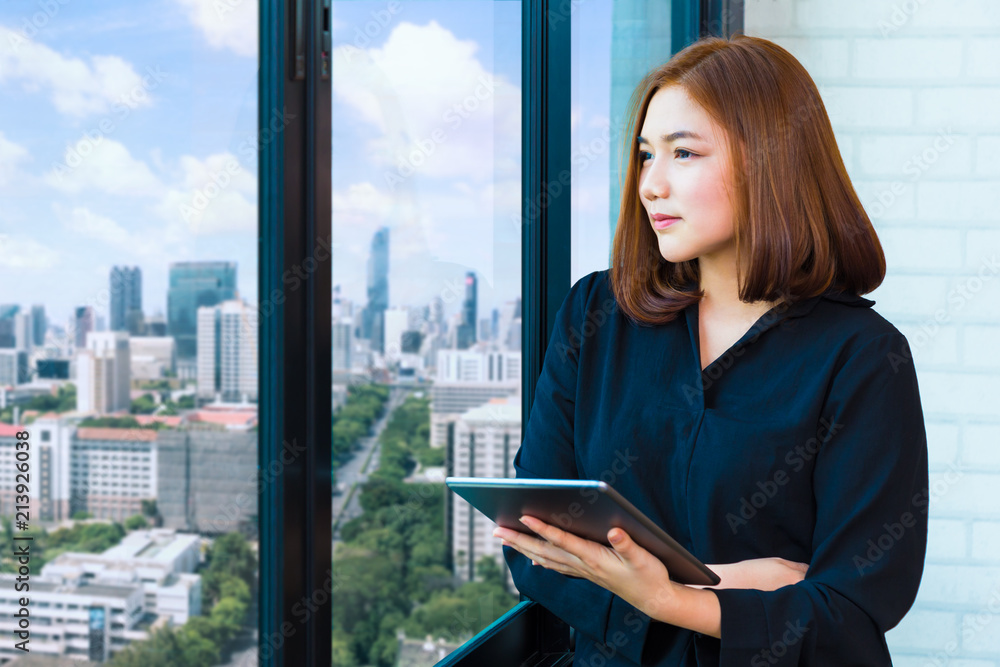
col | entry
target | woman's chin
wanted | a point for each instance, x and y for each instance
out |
(675, 255)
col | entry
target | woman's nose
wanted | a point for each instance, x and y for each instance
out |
(654, 184)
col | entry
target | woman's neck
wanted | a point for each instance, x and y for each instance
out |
(720, 286)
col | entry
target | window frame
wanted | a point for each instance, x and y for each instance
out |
(294, 209)
(294, 356)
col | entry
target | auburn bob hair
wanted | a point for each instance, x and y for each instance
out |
(799, 226)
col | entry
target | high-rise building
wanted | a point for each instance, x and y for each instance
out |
(342, 338)
(103, 373)
(39, 324)
(437, 313)
(193, 285)
(8, 311)
(200, 472)
(53, 369)
(156, 325)
(83, 323)
(14, 368)
(466, 335)
(483, 444)
(396, 322)
(466, 379)
(373, 323)
(24, 336)
(411, 341)
(227, 351)
(509, 325)
(126, 299)
(502, 367)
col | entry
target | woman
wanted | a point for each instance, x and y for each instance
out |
(727, 378)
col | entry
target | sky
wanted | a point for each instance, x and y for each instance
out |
(128, 133)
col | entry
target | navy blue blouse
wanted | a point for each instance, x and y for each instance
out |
(804, 440)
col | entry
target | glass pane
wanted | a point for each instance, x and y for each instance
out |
(614, 44)
(128, 262)
(426, 319)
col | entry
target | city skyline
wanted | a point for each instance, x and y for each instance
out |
(97, 189)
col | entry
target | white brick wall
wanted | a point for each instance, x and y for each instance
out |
(913, 90)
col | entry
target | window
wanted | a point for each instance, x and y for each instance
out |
(426, 278)
(120, 146)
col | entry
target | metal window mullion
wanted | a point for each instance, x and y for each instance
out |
(294, 355)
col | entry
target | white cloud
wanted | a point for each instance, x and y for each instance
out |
(104, 165)
(77, 88)
(21, 252)
(199, 197)
(362, 199)
(10, 155)
(456, 226)
(81, 221)
(84, 222)
(226, 24)
(439, 111)
(215, 195)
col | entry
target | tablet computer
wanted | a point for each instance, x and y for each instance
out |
(585, 508)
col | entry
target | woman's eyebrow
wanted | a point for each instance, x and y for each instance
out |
(674, 136)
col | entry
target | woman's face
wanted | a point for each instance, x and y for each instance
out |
(685, 172)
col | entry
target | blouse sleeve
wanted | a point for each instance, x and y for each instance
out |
(870, 485)
(547, 451)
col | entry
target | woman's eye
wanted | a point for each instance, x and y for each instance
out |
(686, 153)
(643, 154)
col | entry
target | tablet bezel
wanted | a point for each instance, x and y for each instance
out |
(600, 508)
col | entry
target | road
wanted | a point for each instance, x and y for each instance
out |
(355, 472)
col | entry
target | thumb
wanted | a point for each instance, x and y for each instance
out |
(620, 541)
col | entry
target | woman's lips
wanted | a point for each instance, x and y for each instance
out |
(662, 222)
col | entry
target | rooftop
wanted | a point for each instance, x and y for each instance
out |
(104, 433)
(239, 418)
(9, 430)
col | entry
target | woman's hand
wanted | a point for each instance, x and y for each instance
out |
(626, 569)
(763, 574)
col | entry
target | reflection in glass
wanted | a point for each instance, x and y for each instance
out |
(426, 319)
(614, 44)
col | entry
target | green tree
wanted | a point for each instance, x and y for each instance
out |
(207, 628)
(343, 656)
(228, 615)
(228, 557)
(135, 522)
(489, 571)
(143, 405)
(236, 589)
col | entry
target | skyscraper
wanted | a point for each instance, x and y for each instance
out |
(24, 337)
(8, 313)
(227, 351)
(126, 299)
(467, 329)
(193, 285)
(39, 324)
(103, 373)
(373, 324)
(14, 368)
(83, 323)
